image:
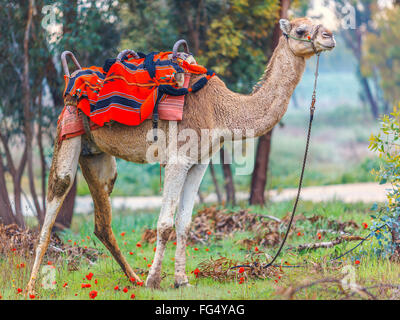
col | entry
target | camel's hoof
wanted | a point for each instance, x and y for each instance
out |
(153, 282)
(184, 284)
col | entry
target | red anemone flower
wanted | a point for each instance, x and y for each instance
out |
(89, 276)
(93, 294)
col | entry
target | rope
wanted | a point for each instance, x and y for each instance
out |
(271, 263)
(312, 109)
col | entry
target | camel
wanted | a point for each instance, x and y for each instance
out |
(213, 107)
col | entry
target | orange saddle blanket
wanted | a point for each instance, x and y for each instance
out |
(129, 91)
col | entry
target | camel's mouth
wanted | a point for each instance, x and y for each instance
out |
(326, 47)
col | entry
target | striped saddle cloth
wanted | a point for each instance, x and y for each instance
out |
(132, 89)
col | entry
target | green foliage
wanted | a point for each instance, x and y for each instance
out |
(382, 52)
(232, 37)
(386, 144)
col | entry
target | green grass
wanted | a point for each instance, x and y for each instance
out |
(371, 269)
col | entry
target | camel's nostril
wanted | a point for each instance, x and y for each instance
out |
(327, 35)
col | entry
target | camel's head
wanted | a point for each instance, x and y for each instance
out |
(306, 38)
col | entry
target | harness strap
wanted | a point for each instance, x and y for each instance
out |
(309, 39)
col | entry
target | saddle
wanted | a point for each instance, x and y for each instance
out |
(129, 89)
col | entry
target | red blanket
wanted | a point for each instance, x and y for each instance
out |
(70, 119)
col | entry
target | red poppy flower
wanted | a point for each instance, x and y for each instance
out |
(65, 284)
(131, 253)
(149, 265)
(86, 285)
(31, 296)
(116, 288)
(209, 232)
(298, 234)
(49, 263)
(241, 270)
(133, 280)
(88, 237)
(125, 289)
(138, 244)
(309, 38)
(95, 281)
(196, 249)
(22, 265)
(69, 240)
(19, 290)
(256, 249)
(93, 294)
(133, 296)
(319, 236)
(140, 283)
(122, 234)
(365, 225)
(13, 249)
(154, 249)
(174, 243)
(196, 272)
(357, 262)
(89, 276)
(207, 249)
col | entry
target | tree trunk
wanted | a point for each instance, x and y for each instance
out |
(215, 181)
(6, 212)
(259, 177)
(228, 177)
(370, 98)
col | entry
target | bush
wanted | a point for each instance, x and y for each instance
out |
(387, 145)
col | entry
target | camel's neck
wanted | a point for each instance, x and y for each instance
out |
(264, 108)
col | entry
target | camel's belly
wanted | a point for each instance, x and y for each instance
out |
(125, 142)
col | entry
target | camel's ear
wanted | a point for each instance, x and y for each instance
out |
(285, 25)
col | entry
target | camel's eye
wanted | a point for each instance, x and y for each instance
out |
(300, 31)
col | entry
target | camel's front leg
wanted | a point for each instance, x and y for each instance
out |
(62, 175)
(175, 175)
(183, 219)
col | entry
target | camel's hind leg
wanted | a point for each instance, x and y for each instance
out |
(62, 175)
(100, 173)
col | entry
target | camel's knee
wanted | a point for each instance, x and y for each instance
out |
(102, 231)
(164, 230)
(58, 186)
